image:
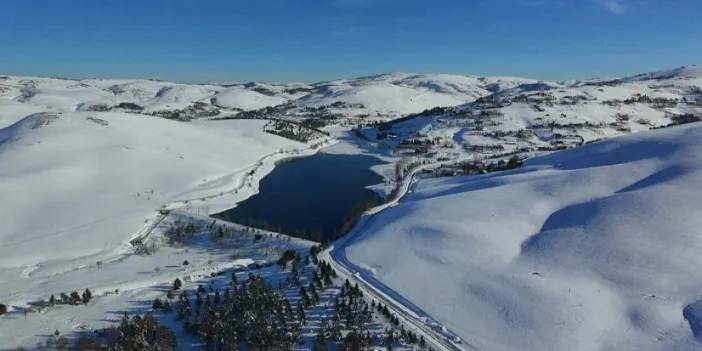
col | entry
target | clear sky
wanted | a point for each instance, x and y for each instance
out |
(312, 40)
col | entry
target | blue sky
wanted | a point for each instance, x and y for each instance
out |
(312, 40)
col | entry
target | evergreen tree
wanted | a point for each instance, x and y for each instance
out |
(157, 305)
(87, 295)
(75, 297)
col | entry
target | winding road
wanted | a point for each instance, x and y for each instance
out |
(412, 316)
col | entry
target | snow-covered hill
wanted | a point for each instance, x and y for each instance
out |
(86, 164)
(595, 248)
(83, 183)
(385, 96)
(532, 117)
(399, 94)
(21, 94)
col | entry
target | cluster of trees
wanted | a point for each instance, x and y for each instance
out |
(573, 99)
(287, 256)
(656, 102)
(74, 298)
(196, 110)
(293, 131)
(325, 273)
(353, 314)
(477, 167)
(181, 232)
(356, 212)
(27, 91)
(392, 335)
(352, 308)
(685, 118)
(535, 98)
(142, 333)
(136, 333)
(268, 112)
(254, 314)
(127, 106)
(405, 166)
(309, 295)
(251, 312)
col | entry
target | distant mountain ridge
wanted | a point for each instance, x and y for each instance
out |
(384, 96)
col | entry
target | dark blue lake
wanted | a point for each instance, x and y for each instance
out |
(316, 197)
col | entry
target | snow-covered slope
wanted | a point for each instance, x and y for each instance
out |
(530, 117)
(386, 96)
(540, 258)
(240, 98)
(18, 95)
(82, 183)
(397, 94)
(596, 248)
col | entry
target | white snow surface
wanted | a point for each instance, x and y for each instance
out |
(80, 184)
(397, 94)
(236, 97)
(593, 248)
(387, 95)
(596, 248)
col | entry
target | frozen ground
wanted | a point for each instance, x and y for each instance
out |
(594, 248)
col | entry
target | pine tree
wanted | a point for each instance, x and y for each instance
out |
(75, 297)
(87, 295)
(157, 305)
(177, 284)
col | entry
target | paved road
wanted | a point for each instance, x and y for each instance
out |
(413, 317)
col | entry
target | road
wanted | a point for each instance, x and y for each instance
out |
(410, 315)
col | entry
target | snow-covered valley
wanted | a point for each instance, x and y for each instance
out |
(589, 248)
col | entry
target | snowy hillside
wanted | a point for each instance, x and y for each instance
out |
(590, 249)
(173, 100)
(92, 181)
(525, 119)
(563, 252)
(402, 93)
(386, 96)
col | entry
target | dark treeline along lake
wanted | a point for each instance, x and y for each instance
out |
(317, 197)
